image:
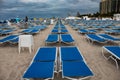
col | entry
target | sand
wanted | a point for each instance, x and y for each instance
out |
(13, 64)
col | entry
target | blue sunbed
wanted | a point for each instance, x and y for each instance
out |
(34, 31)
(27, 31)
(63, 31)
(46, 54)
(96, 38)
(73, 63)
(114, 51)
(55, 31)
(40, 70)
(75, 69)
(92, 31)
(66, 38)
(83, 31)
(70, 54)
(4, 32)
(52, 38)
(14, 41)
(108, 37)
(8, 38)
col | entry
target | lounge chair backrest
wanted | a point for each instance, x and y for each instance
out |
(25, 41)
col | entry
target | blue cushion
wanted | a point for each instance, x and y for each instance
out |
(8, 38)
(52, 38)
(108, 37)
(76, 69)
(40, 70)
(94, 37)
(70, 54)
(115, 50)
(67, 38)
(46, 54)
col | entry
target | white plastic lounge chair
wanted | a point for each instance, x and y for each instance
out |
(26, 41)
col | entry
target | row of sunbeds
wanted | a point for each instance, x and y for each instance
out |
(59, 34)
(108, 27)
(9, 39)
(91, 31)
(45, 63)
(86, 31)
(102, 38)
(55, 38)
(13, 38)
(33, 30)
(114, 51)
(50, 60)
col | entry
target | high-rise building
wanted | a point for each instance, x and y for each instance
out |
(109, 6)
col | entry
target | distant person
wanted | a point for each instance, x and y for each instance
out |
(8, 23)
(17, 20)
(26, 19)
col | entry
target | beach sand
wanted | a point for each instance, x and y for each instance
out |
(13, 64)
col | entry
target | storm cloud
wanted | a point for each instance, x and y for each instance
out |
(46, 8)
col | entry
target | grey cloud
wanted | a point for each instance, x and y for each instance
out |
(1, 1)
(50, 8)
(73, 1)
(95, 0)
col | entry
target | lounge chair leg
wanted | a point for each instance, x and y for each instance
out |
(24, 79)
(19, 49)
(111, 58)
(30, 49)
(104, 55)
(115, 62)
(88, 41)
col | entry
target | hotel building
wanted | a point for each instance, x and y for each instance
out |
(109, 6)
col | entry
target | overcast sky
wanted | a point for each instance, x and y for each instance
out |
(46, 8)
